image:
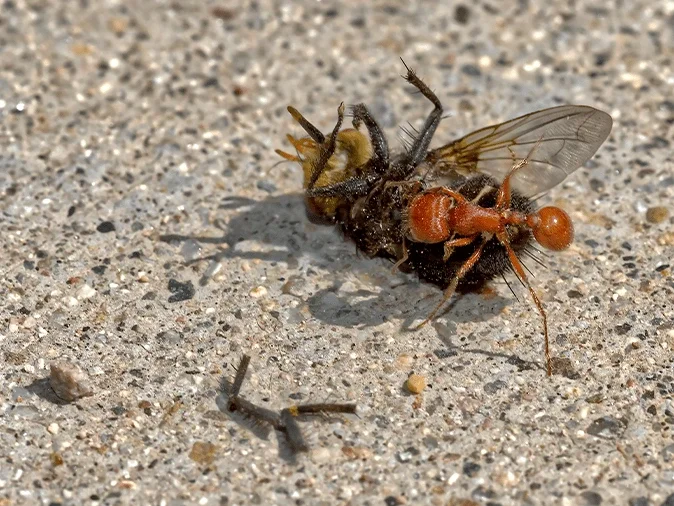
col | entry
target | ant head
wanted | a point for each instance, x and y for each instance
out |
(552, 228)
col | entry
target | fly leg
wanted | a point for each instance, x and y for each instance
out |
(403, 259)
(329, 150)
(355, 186)
(417, 151)
(319, 138)
(351, 188)
(379, 143)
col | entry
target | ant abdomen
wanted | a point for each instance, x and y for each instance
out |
(552, 228)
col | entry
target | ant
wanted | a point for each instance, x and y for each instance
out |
(443, 215)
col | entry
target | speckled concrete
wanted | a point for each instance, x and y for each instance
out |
(150, 237)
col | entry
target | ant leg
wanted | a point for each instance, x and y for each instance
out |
(377, 138)
(328, 151)
(456, 243)
(460, 199)
(449, 291)
(417, 152)
(519, 271)
(313, 132)
(403, 259)
(503, 195)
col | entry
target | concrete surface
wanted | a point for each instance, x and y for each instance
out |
(150, 239)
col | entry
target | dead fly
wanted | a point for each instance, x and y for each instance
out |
(286, 420)
(458, 215)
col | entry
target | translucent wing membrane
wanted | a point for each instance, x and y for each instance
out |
(563, 139)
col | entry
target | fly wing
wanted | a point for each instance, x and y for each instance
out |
(554, 141)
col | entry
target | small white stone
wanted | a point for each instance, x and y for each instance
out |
(258, 291)
(85, 292)
(70, 301)
(29, 322)
(69, 381)
(321, 455)
(53, 428)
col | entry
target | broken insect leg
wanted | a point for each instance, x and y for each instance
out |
(285, 420)
(322, 409)
(293, 432)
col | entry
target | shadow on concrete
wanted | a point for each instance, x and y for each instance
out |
(279, 222)
(43, 390)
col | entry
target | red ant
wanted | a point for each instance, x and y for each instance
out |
(444, 215)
